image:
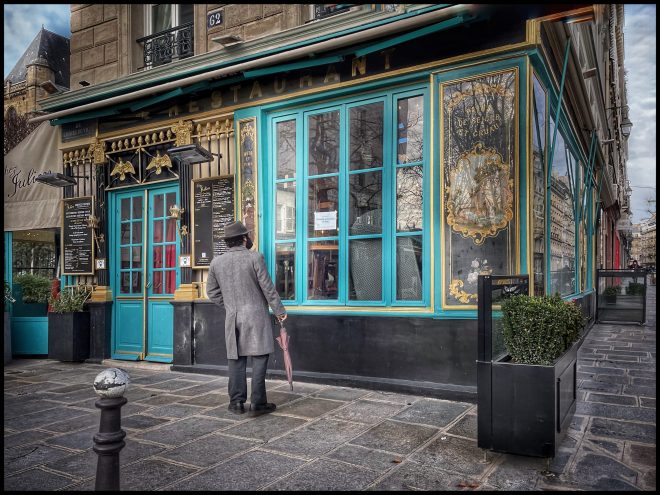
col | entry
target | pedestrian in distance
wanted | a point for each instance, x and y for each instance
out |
(239, 281)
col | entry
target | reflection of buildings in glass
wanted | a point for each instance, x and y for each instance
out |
(286, 210)
(409, 198)
(539, 223)
(562, 237)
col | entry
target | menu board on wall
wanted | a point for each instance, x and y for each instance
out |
(212, 209)
(77, 236)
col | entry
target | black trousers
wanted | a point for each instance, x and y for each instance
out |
(238, 379)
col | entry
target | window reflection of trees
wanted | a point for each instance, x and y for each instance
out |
(410, 130)
(286, 149)
(366, 136)
(409, 198)
(323, 143)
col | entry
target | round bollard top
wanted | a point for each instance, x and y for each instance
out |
(111, 383)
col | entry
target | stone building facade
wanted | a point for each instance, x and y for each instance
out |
(643, 242)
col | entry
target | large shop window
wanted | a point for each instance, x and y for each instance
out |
(539, 156)
(348, 206)
(563, 185)
(479, 161)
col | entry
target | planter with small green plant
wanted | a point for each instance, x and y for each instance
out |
(636, 289)
(610, 293)
(35, 289)
(533, 389)
(68, 324)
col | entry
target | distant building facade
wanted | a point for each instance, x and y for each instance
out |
(41, 71)
(643, 242)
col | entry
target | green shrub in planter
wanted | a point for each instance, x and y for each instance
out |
(71, 299)
(539, 329)
(635, 289)
(612, 291)
(35, 289)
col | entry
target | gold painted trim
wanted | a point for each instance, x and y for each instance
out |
(62, 201)
(192, 215)
(159, 354)
(516, 218)
(145, 257)
(129, 298)
(533, 31)
(431, 200)
(101, 293)
(129, 352)
(185, 292)
(142, 184)
(238, 201)
(530, 178)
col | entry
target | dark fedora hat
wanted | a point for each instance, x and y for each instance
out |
(235, 229)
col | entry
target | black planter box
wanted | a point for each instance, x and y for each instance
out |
(526, 409)
(68, 336)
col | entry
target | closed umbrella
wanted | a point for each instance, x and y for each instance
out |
(283, 341)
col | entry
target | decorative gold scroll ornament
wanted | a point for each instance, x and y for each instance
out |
(462, 296)
(123, 168)
(480, 194)
(159, 162)
(97, 150)
(247, 131)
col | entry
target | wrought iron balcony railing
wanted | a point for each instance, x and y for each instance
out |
(166, 46)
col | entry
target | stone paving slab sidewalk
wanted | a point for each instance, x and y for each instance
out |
(180, 435)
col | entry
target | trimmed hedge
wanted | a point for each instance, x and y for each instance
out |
(636, 289)
(539, 329)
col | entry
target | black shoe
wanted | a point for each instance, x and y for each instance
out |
(258, 409)
(238, 408)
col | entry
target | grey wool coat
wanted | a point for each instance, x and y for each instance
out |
(239, 281)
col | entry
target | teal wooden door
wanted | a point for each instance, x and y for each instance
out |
(145, 273)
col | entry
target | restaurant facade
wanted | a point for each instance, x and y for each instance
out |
(383, 160)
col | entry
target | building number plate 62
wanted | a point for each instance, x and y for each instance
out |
(213, 19)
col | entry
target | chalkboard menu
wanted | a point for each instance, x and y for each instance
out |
(212, 209)
(77, 237)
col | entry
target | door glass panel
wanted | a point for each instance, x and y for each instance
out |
(171, 201)
(366, 133)
(409, 268)
(158, 256)
(323, 201)
(137, 257)
(409, 198)
(158, 205)
(323, 143)
(410, 130)
(365, 260)
(285, 274)
(125, 233)
(125, 209)
(286, 149)
(126, 282)
(171, 230)
(137, 207)
(125, 257)
(365, 203)
(170, 282)
(322, 273)
(137, 282)
(157, 287)
(170, 256)
(158, 230)
(137, 233)
(285, 211)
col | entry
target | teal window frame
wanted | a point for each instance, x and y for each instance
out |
(388, 170)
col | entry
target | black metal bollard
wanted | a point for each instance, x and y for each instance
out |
(110, 386)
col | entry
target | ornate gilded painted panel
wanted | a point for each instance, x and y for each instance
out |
(248, 174)
(478, 135)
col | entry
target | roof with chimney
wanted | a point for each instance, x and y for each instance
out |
(47, 48)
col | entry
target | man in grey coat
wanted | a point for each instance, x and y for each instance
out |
(239, 282)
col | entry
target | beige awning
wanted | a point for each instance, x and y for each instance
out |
(28, 204)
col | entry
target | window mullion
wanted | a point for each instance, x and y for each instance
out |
(343, 206)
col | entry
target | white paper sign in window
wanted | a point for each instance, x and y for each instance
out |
(325, 220)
